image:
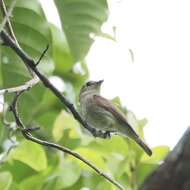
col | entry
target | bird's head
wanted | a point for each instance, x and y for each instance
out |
(91, 87)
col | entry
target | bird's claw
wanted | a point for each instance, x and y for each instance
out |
(101, 134)
(107, 134)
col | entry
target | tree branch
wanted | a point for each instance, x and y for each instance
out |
(23, 87)
(31, 64)
(30, 137)
(13, 44)
(174, 172)
(9, 26)
(42, 55)
(6, 19)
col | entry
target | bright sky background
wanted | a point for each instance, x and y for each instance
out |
(157, 84)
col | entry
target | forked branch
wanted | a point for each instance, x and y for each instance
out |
(30, 137)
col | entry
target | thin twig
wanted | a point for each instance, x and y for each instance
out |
(8, 23)
(30, 137)
(8, 14)
(31, 64)
(42, 55)
(10, 29)
(25, 86)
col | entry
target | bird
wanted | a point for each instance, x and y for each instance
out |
(101, 114)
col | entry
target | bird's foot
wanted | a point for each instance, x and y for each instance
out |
(107, 134)
(101, 134)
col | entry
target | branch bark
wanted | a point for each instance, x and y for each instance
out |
(23, 87)
(7, 20)
(30, 137)
(7, 14)
(32, 65)
(29, 62)
(9, 26)
(174, 173)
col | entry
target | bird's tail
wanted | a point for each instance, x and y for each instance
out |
(143, 145)
(129, 131)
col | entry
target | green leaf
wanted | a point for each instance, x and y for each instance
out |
(45, 120)
(116, 164)
(64, 62)
(29, 17)
(116, 101)
(138, 126)
(159, 153)
(108, 146)
(33, 182)
(76, 185)
(13, 166)
(81, 20)
(5, 180)
(67, 175)
(31, 154)
(141, 124)
(66, 130)
(105, 185)
(32, 32)
(61, 53)
(143, 170)
(64, 121)
(93, 156)
(14, 186)
(77, 76)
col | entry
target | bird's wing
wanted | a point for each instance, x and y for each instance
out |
(108, 106)
(126, 128)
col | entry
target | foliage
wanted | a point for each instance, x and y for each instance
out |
(31, 166)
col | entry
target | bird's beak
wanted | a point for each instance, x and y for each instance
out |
(100, 82)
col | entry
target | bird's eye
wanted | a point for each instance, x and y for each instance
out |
(89, 83)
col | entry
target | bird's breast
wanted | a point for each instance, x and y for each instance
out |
(96, 116)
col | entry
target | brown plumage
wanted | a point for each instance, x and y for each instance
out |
(102, 114)
(128, 130)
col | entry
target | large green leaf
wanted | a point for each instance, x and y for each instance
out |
(93, 156)
(143, 170)
(32, 32)
(31, 154)
(159, 153)
(33, 182)
(14, 186)
(62, 122)
(13, 166)
(5, 180)
(66, 130)
(61, 52)
(116, 145)
(105, 185)
(65, 66)
(66, 175)
(81, 20)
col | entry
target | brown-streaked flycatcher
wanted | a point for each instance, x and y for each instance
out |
(101, 114)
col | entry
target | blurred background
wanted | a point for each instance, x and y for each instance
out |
(139, 48)
(148, 64)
